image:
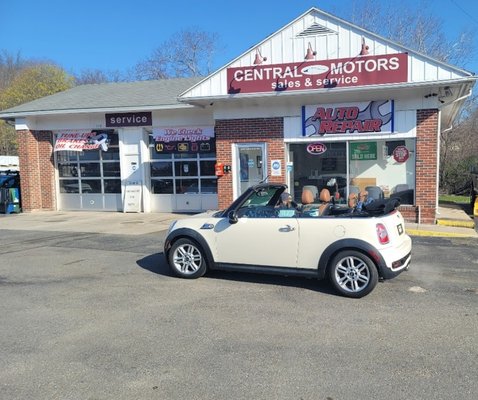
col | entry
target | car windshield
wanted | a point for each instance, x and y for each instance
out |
(260, 198)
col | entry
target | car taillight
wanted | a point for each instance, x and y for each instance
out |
(382, 234)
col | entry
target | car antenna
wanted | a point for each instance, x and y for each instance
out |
(264, 180)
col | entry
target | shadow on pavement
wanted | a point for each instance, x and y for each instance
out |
(156, 263)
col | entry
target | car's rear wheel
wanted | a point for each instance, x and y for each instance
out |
(186, 259)
(353, 274)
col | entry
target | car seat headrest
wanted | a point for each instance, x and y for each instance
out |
(307, 196)
(324, 196)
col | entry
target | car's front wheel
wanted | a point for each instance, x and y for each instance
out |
(186, 259)
(353, 274)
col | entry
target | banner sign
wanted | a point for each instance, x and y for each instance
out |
(348, 118)
(129, 119)
(184, 140)
(324, 74)
(363, 151)
(81, 141)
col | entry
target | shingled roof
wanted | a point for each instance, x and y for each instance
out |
(123, 96)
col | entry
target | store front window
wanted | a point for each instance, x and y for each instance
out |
(384, 168)
(182, 173)
(90, 171)
(317, 166)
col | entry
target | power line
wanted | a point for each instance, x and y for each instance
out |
(465, 12)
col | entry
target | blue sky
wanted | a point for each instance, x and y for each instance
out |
(116, 34)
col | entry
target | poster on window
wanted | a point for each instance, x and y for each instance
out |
(348, 118)
(363, 151)
(184, 140)
(81, 141)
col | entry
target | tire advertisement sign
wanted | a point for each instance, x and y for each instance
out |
(363, 151)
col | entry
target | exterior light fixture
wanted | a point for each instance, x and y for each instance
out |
(365, 48)
(259, 59)
(310, 53)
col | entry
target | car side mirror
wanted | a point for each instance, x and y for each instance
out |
(232, 217)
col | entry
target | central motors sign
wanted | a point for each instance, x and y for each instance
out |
(325, 74)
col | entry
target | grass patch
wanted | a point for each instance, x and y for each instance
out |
(451, 198)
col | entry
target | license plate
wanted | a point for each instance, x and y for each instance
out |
(400, 229)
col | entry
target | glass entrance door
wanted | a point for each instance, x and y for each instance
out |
(251, 168)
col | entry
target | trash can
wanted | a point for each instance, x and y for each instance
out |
(9, 200)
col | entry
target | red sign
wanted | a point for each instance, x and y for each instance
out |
(401, 154)
(309, 75)
(316, 148)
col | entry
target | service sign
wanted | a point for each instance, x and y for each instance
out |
(128, 119)
(324, 74)
(81, 141)
(348, 118)
(184, 140)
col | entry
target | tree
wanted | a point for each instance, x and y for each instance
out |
(187, 53)
(92, 76)
(30, 83)
(459, 150)
(416, 28)
(419, 30)
(35, 82)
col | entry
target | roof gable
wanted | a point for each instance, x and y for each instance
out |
(315, 37)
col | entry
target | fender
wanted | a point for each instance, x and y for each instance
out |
(351, 244)
(192, 234)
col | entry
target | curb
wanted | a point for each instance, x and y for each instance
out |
(456, 223)
(417, 232)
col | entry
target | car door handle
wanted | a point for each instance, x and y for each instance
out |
(287, 228)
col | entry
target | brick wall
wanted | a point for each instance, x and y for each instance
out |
(37, 170)
(254, 130)
(426, 164)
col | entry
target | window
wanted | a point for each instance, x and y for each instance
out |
(384, 173)
(182, 173)
(90, 171)
(382, 167)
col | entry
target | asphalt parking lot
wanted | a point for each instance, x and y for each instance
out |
(98, 316)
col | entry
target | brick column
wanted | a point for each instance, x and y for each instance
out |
(427, 164)
(254, 130)
(37, 170)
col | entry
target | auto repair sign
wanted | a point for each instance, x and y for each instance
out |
(325, 74)
(348, 118)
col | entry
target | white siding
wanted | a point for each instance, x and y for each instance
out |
(285, 47)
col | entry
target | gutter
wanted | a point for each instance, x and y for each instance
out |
(296, 93)
(36, 113)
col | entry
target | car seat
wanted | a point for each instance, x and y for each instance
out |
(325, 207)
(375, 192)
(308, 208)
(313, 189)
(352, 201)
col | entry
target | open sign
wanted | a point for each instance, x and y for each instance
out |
(316, 148)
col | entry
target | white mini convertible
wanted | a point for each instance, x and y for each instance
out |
(256, 233)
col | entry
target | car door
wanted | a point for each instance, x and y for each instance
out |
(264, 241)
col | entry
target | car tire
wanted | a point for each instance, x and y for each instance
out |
(353, 274)
(187, 259)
